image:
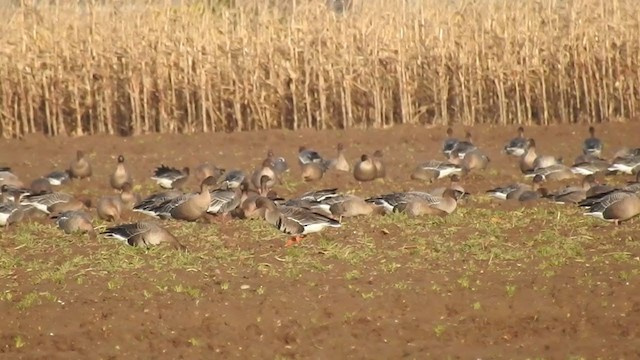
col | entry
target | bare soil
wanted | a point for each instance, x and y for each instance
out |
(494, 280)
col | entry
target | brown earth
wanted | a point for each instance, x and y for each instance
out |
(486, 282)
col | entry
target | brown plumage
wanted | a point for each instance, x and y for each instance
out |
(76, 221)
(340, 163)
(312, 171)
(80, 168)
(128, 197)
(295, 221)
(143, 233)
(365, 169)
(205, 170)
(353, 206)
(109, 207)
(120, 175)
(40, 186)
(417, 207)
(188, 207)
(378, 162)
(265, 169)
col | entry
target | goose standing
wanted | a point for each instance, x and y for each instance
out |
(120, 175)
(378, 161)
(592, 145)
(449, 143)
(340, 163)
(80, 168)
(518, 145)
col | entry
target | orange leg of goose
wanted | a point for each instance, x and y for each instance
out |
(294, 240)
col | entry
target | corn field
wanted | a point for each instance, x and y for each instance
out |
(127, 68)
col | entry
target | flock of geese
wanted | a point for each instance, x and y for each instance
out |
(233, 193)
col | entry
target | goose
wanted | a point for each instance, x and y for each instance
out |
(187, 207)
(589, 165)
(148, 205)
(616, 207)
(7, 177)
(266, 169)
(594, 197)
(434, 169)
(322, 201)
(518, 145)
(306, 156)
(316, 200)
(40, 186)
(80, 168)
(248, 208)
(351, 206)
(75, 221)
(128, 197)
(294, 221)
(530, 160)
(340, 163)
(109, 208)
(58, 177)
(536, 192)
(205, 170)
(592, 145)
(626, 152)
(225, 200)
(120, 175)
(446, 205)
(557, 172)
(472, 160)
(378, 161)
(449, 143)
(390, 201)
(627, 165)
(365, 169)
(9, 210)
(142, 233)
(319, 195)
(313, 171)
(511, 191)
(169, 177)
(463, 147)
(280, 165)
(572, 194)
(53, 202)
(232, 179)
(12, 193)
